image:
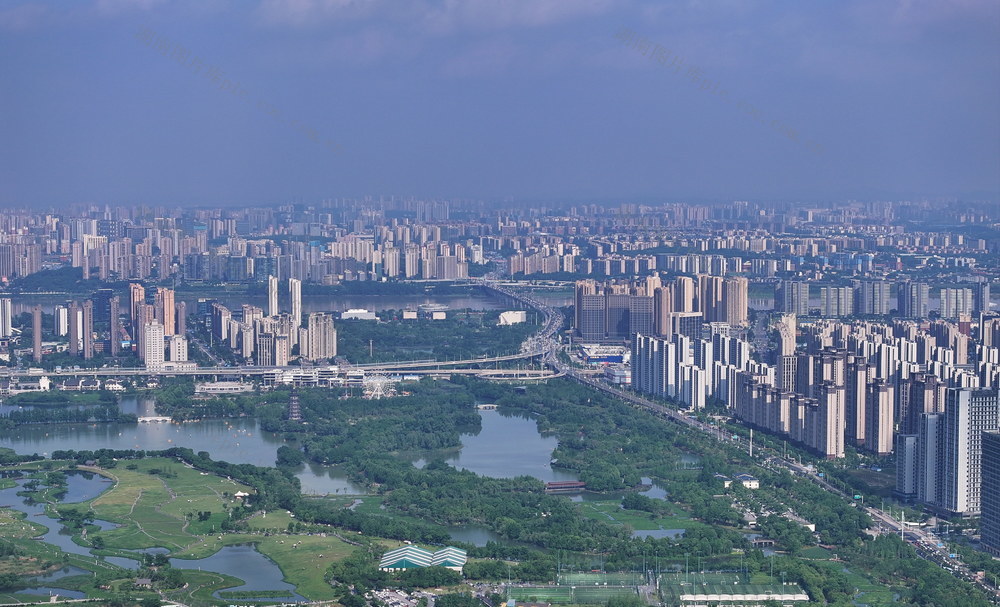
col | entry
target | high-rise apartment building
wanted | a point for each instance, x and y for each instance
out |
(75, 329)
(968, 413)
(871, 297)
(912, 299)
(88, 329)
(153, 344)
(956, 302)
(137, 298)
(114, 325)
(177, 346)
(320, 337)
(735, 300)
(165, 310)
(60, 321)
(684, 294)
(792, 297)
(989, 521)
(272, 296)
(295, 291)
(6, 317)
(836, 301)
(180, 317)
(981, 297)
(663, 306)
(36, 333)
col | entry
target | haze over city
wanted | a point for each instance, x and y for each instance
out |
(126, 101)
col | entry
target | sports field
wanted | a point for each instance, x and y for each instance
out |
(568, 594)
(600, 579)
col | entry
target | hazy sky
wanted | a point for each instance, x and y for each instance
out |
(271, 101)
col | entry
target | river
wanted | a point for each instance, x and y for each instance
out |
(475, 300)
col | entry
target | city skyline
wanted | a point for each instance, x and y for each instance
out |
(143, 102)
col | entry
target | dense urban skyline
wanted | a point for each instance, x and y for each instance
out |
(118, 102)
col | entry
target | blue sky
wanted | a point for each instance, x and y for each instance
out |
(113, 101)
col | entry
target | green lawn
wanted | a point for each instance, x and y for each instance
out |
(154, 509)
(612, 512)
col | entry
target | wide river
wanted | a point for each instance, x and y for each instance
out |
(474, 300)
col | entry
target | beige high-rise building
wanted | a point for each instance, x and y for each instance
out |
(165, 310)
(710, 298)
(136, 298)
(663, 306)
(87, 328)
(735, 299)
(36, 333)
(684, 294)
(320, 337)
(879, 409)
(295, 290)
(272, 296)
(75, 328)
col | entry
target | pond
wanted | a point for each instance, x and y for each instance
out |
(82, 486)
(242, 561)
(507, 446)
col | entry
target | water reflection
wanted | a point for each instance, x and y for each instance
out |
(507, 446)
(243, 561)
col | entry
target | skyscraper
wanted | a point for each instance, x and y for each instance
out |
(60, 321)
(114, 326)
(989, 522)
(956, 302)
(295, 290)
(88, 329)
(36, 333)
(75, 328)
(164, 303)
(321, 337)
(710, 298)
(793, 297)
(153, 344)
(981, 297)
(663, 306)
(272, 296)
(6, 317)
(785, 377)
(146, 316)
(912, 298)
(836, 301)
(968, 413)
(180, 318)
(871, 297)
(735, 300)
(684, 294)
(137, 297)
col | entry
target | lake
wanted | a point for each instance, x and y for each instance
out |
(507, 446)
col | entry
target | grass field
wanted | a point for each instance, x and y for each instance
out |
(593, 579)
(611, 511)
(152, 508)
(157, 503)
(568, 594)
